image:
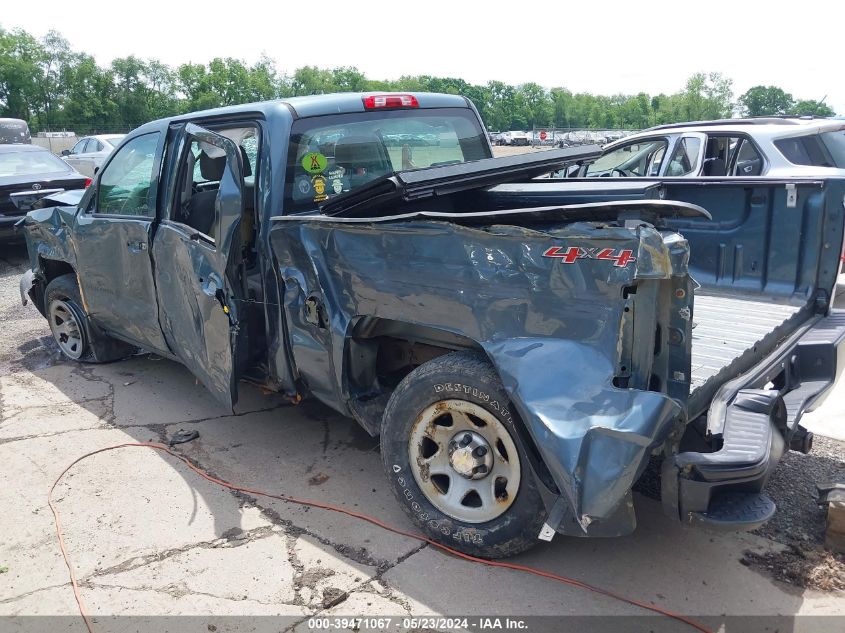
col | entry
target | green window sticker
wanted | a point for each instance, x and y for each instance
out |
(314, 162)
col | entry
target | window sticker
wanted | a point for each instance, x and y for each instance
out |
(304, 186)
(319, 184)
(314, 163)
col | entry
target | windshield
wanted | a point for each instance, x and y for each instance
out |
(30, 163)
(637, 159)
(330, 155)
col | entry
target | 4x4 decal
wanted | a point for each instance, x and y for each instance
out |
(570, 254)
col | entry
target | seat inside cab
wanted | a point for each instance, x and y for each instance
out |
(203, 168)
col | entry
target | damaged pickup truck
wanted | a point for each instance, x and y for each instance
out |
(523, 347)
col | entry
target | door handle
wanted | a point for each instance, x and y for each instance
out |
(136, 247)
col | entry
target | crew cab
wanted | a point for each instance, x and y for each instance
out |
(523, 347)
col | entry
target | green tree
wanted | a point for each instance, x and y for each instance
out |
(766, 100)
(809, 106)
(535, 104)
(49, 84)
(705, 97)
(21, 56)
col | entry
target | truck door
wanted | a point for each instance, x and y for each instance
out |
(112, 237)
(197, 252)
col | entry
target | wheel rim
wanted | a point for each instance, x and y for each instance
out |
(464, 460)
(66, 329)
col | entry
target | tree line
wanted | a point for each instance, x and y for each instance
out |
(53, 87)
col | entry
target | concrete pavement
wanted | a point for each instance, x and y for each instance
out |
(149, 537)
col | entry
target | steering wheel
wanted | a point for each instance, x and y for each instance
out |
(615, 173)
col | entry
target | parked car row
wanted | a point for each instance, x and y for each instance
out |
(28, 173)
(557, 138)
(88, 154)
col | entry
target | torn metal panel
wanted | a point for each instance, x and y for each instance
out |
(550, 324)
(418, 184)
(48, 236)
(653, 210)
(594, 437)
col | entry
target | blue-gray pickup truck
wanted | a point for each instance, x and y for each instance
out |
(524, 347)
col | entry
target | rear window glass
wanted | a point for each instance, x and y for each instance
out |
(30, 164)
(330, 155)
(14, 131)
(835, 144)
(818, 150)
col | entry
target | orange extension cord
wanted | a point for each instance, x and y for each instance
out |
(327, 506)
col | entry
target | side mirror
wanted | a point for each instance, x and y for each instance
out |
(65, 152)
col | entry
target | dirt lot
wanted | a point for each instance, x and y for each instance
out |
(147, 537)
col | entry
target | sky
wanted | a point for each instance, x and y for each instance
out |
(602, 47)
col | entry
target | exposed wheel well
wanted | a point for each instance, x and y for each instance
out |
(53, 268)
(50, 269)
(381, 352)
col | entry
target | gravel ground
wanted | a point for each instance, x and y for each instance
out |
(22, 331)
(799, 522)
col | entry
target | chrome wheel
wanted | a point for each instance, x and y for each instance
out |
(464, 460)
(66, 329)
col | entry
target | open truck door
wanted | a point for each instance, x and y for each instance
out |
(197, 253)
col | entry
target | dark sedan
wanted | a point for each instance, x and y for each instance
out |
(27, 174)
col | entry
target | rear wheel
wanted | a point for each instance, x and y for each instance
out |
(78, 338)
(455, 461)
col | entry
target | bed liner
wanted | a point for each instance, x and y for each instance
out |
(726, 327)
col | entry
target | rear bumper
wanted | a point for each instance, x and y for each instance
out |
(753, 420)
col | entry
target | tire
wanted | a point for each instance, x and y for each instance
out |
(434, 424)
(78, 338)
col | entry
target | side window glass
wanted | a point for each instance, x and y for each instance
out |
(685, 157)
(633, 159)
(94, 146)
(656, 160)
(748, 160)
(78, 148)
(124, 187)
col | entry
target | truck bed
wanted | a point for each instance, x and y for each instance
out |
(726, 328)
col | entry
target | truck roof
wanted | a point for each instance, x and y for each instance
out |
(318, 105)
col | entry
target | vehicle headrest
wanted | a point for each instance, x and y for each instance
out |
(712, 150)
(359, 151)
(247, 169)
(212, 168)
